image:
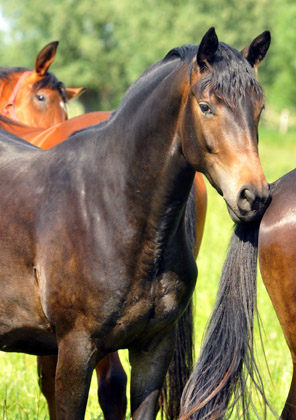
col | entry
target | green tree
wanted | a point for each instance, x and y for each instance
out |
(106, 45)
(282, 90)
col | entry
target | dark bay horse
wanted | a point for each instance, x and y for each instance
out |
(228, 344)
(35, 97)
(95, 254)
(111, 376)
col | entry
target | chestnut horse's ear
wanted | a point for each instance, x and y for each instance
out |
(207, 48)
(45, 58)
(255, 52)
(73, 92)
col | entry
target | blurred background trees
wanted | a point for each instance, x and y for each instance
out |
(106, 45)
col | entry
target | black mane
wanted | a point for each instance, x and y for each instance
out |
(5, 71)
(231, 76)
(184, 52)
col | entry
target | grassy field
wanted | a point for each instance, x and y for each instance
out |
(19, 393)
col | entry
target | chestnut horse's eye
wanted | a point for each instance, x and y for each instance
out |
(40, 98)
(205, 108)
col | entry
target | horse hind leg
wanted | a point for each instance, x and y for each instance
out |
(46, 366)
(112, 381)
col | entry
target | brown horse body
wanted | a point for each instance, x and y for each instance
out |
(95, 250)
(277, 259)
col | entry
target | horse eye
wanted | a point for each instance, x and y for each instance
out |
(41, 98)
(205, 109)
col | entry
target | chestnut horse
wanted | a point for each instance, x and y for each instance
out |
(35, 97)
(228, 344)
(95, 249)
(45, 138)
(111, 376)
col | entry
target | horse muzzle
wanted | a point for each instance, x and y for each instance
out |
(250, 204)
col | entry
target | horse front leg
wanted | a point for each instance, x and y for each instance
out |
(149, 364)
(77, 357)
(112, 381)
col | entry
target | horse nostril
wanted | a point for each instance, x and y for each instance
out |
(246, 199)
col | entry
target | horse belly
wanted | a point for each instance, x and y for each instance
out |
(23, 325)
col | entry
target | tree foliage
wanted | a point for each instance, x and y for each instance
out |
(282, 89)
(106, 45)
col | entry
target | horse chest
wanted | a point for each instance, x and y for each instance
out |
(153, 307)
(171, 296)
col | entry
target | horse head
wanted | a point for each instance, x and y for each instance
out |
(224, 104)
(38, 97)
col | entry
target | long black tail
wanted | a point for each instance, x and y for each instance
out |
(227, 361)
(182, 363)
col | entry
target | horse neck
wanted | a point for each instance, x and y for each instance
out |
(153, 116)
(153, 169)
(136, 157)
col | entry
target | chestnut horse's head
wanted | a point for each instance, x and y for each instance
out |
(36, 98)
(222, 115)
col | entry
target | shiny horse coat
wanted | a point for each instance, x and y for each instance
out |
(111, 376)
(277, 257)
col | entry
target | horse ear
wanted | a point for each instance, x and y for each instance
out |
(73, 92)
(45, 58)
(255, 52)
(207, 48)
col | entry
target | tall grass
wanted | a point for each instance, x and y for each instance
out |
(20, 397)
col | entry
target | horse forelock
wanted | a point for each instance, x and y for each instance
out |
(231, 77)
(50, 81)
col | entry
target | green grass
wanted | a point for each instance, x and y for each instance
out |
(19, 393)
